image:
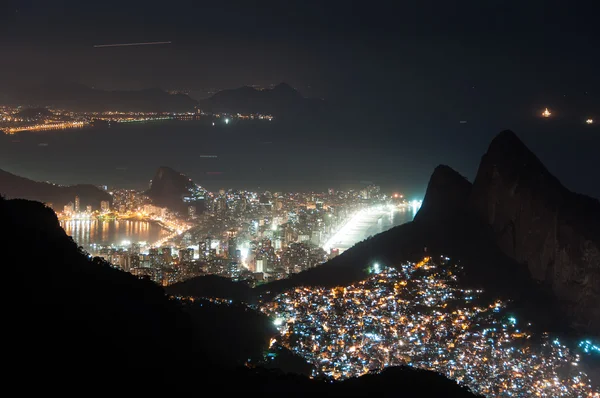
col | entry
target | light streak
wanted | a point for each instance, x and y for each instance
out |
(151, 43)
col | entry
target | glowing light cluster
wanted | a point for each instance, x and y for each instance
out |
(417, 315)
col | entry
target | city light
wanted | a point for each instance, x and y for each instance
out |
(416, 205)
(546, 113)
(45, 126)
(417, 315)
(590, 121)
(376, 268)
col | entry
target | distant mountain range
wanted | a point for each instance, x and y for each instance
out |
(13, 186)
(281, 100)
(78, 97)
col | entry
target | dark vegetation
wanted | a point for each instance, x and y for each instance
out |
(213, 286)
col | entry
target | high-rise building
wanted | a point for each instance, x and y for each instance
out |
(202, 250)
(68, 209)
(154, 258)
(77, 208)
(88, 209)
(135, 260)
(104, 206)
(135, 249)
(192, 211)
(260, 265)
(186, 255)
(232, 247)
(167, 255)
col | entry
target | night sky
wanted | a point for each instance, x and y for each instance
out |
(401, 75)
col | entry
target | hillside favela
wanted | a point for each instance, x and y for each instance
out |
(349, 200)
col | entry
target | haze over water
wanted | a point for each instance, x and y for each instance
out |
(111, 232)
(252, 155)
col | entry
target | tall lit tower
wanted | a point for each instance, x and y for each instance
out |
(77, 204)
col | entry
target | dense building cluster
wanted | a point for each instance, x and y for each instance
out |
(417, 315)
(264, 236)
(243, 235)
(17, 119)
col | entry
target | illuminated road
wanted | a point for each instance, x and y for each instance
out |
(369, 222)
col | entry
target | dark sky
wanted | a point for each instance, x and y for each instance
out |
(406, 72)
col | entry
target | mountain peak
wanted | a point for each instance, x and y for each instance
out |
(284, 88)
(539, 223)
(169, 187)
(447, 193)
(166, 171)
(507, 147)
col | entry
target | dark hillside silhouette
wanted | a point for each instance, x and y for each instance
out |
(280, 101)
(213, 286)
(13, 186)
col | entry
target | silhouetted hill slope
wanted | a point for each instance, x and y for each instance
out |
(71, 316)
(169, 187)
(438, 386)
(446, 197)
(79, 97)
(212, 286)
(281, 100)
(68, 306)
(535, 220)
(393, 382)
(13, 186)
(232, 334)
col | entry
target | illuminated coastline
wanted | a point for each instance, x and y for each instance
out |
(359, 224)
(45, 126)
